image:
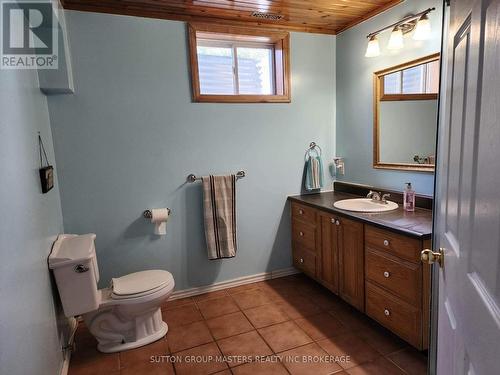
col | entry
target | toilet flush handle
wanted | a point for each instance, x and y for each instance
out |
(80, 268)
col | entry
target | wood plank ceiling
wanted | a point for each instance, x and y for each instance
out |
(315, 16)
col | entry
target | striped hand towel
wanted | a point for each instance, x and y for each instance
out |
(219, 204)
(314, 173)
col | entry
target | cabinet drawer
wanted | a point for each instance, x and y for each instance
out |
(395, 314)
(304, 234)
(400, 277)
(304, 213)
(304, 260)
(395, 244)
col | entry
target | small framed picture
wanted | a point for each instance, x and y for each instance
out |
(47, 178)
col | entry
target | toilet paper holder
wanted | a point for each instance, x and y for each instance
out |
(148, 214)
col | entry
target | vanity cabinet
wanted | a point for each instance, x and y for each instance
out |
(394, 283)
(375, 270)
(351, 261)
(338, 251)
(304, 239)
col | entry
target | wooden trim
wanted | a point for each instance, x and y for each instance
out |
(402, 97)
(367, 16)
(406, 167)
(281, 43)
(409, 64)
(378, 97)
(193, 58)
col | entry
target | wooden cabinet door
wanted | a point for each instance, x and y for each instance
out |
(329, 265)
(351, 262)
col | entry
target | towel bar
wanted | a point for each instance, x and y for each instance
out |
(193, 178)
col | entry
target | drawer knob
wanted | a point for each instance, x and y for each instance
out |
(387, 312)
(337, 222)
(301, 234)
(386, 274)
(301, 212)
(386, 242)
(301, 260)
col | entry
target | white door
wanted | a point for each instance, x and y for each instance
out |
(467, 222)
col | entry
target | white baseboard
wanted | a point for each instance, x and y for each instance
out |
(73, 325)
(234, 282)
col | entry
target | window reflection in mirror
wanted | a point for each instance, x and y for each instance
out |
(405, 115)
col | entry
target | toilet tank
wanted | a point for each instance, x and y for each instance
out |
(73, 261)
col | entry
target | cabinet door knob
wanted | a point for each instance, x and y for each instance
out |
(332, 220)
(301, 212)
(387, 312)
(301, 234)
(337, 222)
(386, 274)
(386, 242)
(301, 260)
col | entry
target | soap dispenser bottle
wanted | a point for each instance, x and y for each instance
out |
(409, 198)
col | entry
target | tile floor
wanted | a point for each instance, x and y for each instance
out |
(289, 325)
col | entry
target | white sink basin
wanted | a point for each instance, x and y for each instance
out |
(364, 205)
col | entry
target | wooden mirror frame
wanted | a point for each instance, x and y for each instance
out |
(378, 96)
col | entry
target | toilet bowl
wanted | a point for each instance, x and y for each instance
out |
(125, 315)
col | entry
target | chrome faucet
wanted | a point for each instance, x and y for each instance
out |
(378, 197)
(375, 196)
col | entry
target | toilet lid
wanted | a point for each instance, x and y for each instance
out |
(141, 282)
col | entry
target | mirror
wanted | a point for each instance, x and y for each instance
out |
(405, 115)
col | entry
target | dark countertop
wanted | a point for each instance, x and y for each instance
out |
(416, 224)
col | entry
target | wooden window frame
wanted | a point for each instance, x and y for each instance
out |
(280, 40)
(382, 96)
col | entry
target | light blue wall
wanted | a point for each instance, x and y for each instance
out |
(414, 120)
(354, 134)
(30, 327)
(129, 136)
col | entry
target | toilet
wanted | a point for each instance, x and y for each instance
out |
(125, 315)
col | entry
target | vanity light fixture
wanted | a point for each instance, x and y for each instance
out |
(423, 28)
(373, 48)
(396, 39)
(418, 22)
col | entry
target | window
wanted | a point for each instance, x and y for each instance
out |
(239, 65)
(411, 83)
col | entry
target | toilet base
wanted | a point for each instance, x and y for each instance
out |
(123, 327)
(114, 347)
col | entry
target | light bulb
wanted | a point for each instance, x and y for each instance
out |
(396, 39)
(423, 28)
(373, 49)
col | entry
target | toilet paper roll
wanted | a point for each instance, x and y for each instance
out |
(159, 217)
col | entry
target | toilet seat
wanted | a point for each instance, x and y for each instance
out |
(139, 284)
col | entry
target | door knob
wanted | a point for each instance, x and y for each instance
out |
(430, 257)
(337, 222)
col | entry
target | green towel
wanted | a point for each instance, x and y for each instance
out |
(314, 173)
